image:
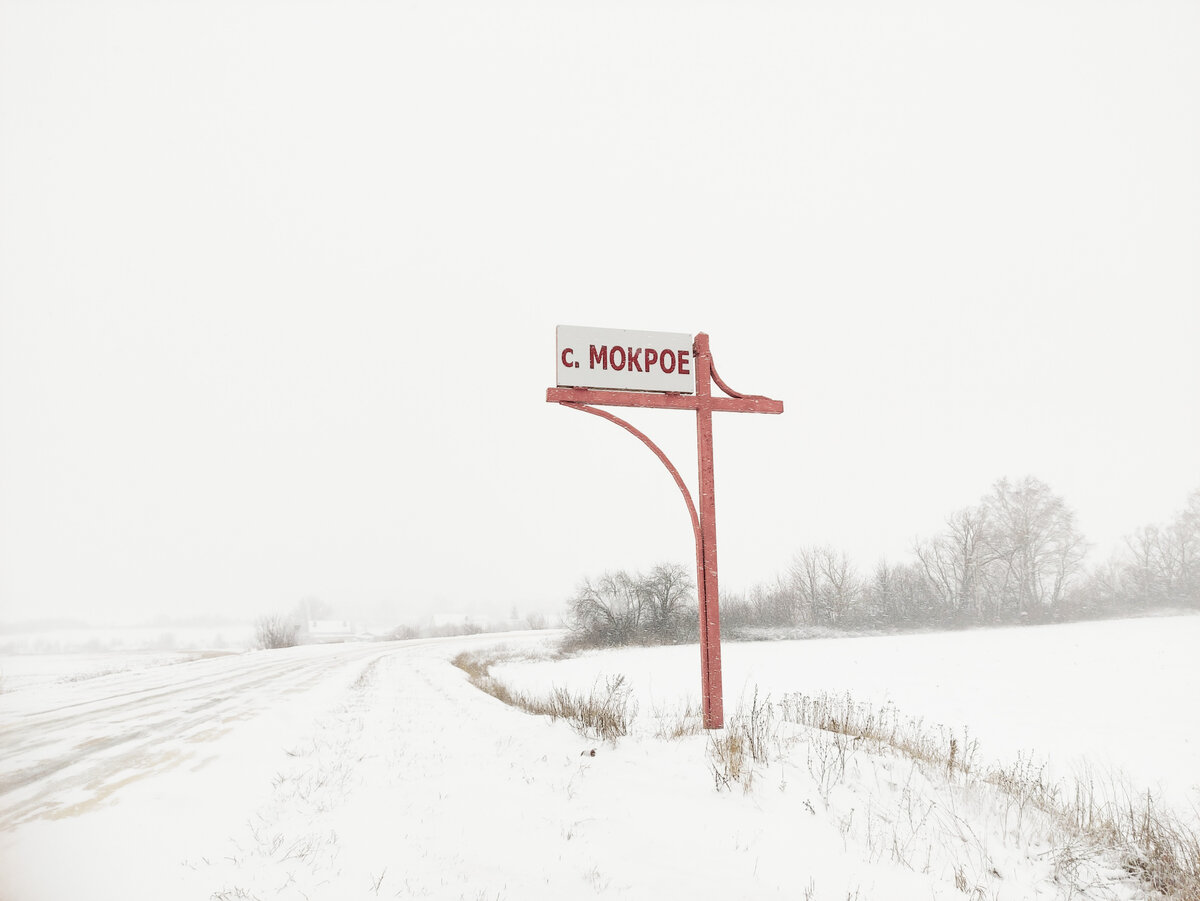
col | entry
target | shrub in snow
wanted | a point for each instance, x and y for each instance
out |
(275, 632)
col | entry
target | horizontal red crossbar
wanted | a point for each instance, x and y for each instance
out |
(661, 401)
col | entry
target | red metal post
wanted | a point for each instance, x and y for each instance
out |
(712, 705)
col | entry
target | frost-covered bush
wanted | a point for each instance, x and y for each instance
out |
(275, 632)
(631, 608)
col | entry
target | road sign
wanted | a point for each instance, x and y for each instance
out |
(625, 360)
(633, 391)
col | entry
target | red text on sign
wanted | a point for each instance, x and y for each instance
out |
(637, 359)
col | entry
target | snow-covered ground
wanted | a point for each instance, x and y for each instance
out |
(16, 641)
(377, 770)
(24, 671)
(1099, 697)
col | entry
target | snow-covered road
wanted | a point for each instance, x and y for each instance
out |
(327, 772)
(135, 784)
(71, 746)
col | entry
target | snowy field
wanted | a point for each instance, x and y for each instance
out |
(15, 642)
(1097, 697)
(377, 770)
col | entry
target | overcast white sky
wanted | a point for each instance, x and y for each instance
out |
(279, 282)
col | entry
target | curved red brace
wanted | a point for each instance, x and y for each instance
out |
(641, 436)
(712, 368)
(712, 705)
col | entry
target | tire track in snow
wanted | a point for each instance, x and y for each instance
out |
(424, 783)
(131, 733)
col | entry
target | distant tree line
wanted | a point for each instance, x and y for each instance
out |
(1017, 556)
(532, 621)
(1158, 568)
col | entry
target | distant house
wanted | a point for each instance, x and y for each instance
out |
(322, 631)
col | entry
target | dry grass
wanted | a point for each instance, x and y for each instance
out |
(1158, 847)
(883, 727)
(744, 742)
(1152, 842)
(677, 724)
(728, 759)
(1089, 821)
(604, 713)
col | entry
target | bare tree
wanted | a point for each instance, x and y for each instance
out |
(1163, 564)
(841, 586)
(1033, 546)
(1145, 577)
(825, 585)
(606, 611)
(622, 608)
(1103, 590)
(668, 591)
(762, 606)
(1182, 549)
(954, 564)
(804, 579)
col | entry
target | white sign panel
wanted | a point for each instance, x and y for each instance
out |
(625, 360)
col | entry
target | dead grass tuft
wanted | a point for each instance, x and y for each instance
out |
(1152, 842)
(1160, 848)
(727, 757)
(604, 713)
(744, 742)
(677, 724)
(883, 727)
